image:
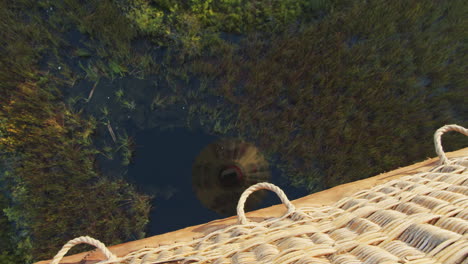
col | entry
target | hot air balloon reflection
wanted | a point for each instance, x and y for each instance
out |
(223, 170)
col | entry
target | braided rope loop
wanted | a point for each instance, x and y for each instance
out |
(260, 186)
(437, 140)
(81, 240)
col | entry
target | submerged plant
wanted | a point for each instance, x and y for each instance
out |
(119, 94)
(158, 101)
(116, 69)
(84, 53)
(108, 152)
(91, 71)
(126, 146)
(130, 105)
(105, 112)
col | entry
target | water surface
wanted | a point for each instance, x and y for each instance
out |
(163, 166)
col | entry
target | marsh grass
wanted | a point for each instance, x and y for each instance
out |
(126, 146)
(56, 164)
(343, 94)
(55, 161)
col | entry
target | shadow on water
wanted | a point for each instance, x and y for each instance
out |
(162, 166)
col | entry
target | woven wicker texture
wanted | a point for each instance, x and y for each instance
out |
(421, 218)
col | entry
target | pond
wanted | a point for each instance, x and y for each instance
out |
(162, 166)
(155, 150)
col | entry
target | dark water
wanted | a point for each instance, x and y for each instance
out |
(164, 154)
(163, 166)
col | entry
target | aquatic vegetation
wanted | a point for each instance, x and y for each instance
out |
(158, 101)
(150, 22)
(306, 93)
(101, 20)
(83, 53)
(72, 101)
(237, 16)
(130, 105)
(7, 243)
(126, 146)
(90, 70)
(108, 152)
(143, 65)
(105, 112)
(119, 94)
(46, 150)
(116, 69)
(53, 164)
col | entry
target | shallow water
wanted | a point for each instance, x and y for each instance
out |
(162, 166)
(164, 152)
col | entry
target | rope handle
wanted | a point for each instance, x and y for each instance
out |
(437, 140)
(260, 186)
(81, 240)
